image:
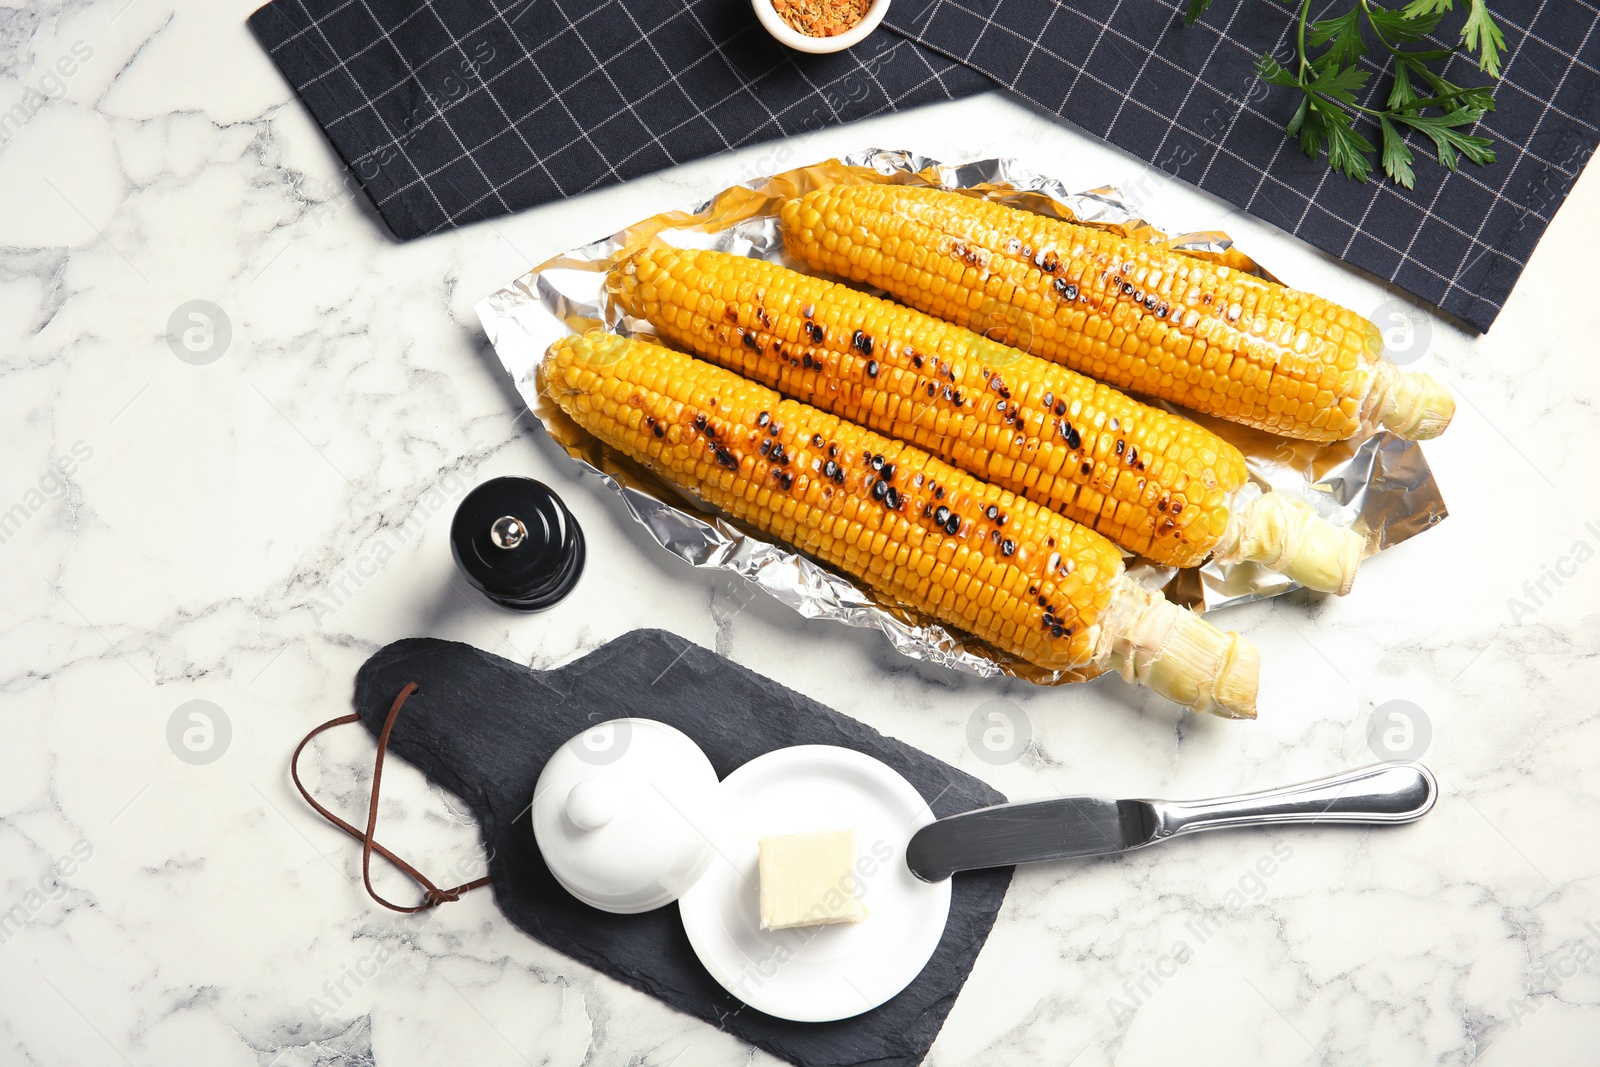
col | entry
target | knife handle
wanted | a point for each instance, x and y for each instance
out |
(1394, 792)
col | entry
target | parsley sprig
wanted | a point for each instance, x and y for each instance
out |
(1420, 98)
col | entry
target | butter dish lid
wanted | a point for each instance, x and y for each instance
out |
(624, 814)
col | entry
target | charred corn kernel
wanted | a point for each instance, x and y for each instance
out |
(1129, 313)
(1028, 581)
(1153, 482)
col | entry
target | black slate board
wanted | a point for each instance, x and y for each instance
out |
(483, 727)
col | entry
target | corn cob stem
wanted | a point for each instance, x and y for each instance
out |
(1023, 578)
(1285, 535)
(1130, 313)
(1410, 404)
(1179, 655)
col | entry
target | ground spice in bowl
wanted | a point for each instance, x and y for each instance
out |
(822, 18)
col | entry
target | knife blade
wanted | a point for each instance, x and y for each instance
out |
(1064, 827)
(1023, 833)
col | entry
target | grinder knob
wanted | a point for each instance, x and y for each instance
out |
(517, 543)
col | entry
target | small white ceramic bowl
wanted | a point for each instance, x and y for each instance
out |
(790, 37)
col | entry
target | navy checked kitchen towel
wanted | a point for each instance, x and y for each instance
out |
(451, 111)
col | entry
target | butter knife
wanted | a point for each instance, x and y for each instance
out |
(1063, 827)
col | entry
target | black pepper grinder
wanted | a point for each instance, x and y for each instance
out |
(517, 543)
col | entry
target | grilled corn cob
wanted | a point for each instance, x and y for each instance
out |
(1155, 483)
(1129, 313)
(1026, 580)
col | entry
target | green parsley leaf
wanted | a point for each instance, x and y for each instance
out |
(1442, 87)
(1445, 132)
(1417, 8)
(1307, 125)
(1299, 117)
(1396, 155)
(1399, 27)
(1401, 95)
(1481, 35)
(1347, 149)
(1470, 98)
(1342, 85)
(1195, 10)
(1344, 33)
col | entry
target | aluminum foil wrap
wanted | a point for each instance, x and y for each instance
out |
(1378, 485)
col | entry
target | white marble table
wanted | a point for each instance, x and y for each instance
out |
(246, 531)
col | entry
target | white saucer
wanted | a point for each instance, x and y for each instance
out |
(816, 973)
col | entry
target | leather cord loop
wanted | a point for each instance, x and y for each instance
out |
(432, 895)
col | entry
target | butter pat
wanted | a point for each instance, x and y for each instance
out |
(810, 880)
